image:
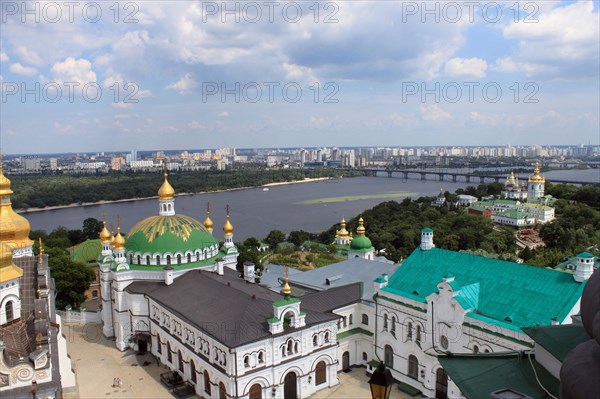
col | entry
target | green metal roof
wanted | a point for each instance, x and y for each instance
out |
(87, 251)
(361, 243)
(498, 289)
(585, 255)
(477, 376)
(427, 230)
(162, 234)
(558, 340)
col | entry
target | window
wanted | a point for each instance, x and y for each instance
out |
(147, 259)
(94, 294)
(475, 349)
(179, 259)
(197, 256)
(290, 347)
(169, 356)
(413, 367)
(320, 373)
(385, 322)
(139, 259)
(327, 337)
(246, 361)
(418, 333)
(444, 342)
(255, 391)
(486, 351)
(388, 356)
(393, 330)
(193, 371)
(158, 259)
(296, 347)
(315, 340)
(350, 320)
(189, 258)
(261, 357)
(365, 356)
(345, 322)
(206, 382)
(409, 332)
(222, 391)
(158, 345)
(365, 319)
(168, 259)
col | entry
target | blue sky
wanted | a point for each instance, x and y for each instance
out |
(370, 63)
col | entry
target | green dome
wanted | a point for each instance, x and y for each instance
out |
(168, 234)
(360, 243)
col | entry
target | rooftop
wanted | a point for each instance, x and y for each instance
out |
(505, 293)
(558, 340)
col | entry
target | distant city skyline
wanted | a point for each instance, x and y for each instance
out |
(186, 74)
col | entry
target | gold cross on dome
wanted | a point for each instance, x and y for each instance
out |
(208, 207)
(227, 209)
(103, 216)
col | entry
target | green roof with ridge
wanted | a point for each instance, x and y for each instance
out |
(361, 243)
(501, 292)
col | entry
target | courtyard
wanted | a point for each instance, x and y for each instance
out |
(97, 363)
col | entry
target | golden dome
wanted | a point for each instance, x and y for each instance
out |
(286, 290)
(105, 235)
(119, 242)
(208, 223)
(14, 228)
(166, 191)
(8, 270)
(342, 232)
(228, 227)
(360, 230)
(536, 177)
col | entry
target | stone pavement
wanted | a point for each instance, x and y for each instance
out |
(96, 361)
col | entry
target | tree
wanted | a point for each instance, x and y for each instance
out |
(274, 238)
(92, 228)
(297, 237)
(71, 278)
(251, 242)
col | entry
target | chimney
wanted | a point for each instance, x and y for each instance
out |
(249, 272)
(220, 265)
(168, 272)
(427, 239)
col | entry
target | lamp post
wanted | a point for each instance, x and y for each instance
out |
(381, 382)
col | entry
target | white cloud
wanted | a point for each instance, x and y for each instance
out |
(196, 125)
(433, 113)
(22, 70)
(224, 114)
(28, 56)
(466, 68)
(121, 105)
(62, 128)
(3, 56)
(185, 85)
(73, 70)
(317, 123)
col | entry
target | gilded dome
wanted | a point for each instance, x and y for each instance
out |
(536, 177)
(166, 191)
(342, 232)
(105, 235)
(168, 234)
(14, 228)
(228, 227)
(360, 242)
(208, 223)
(119, 242)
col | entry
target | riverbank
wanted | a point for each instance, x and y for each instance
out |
(83, 204)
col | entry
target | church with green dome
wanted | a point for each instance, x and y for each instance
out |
(358, 246)
(159, 247)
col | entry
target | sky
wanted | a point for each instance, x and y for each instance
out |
(107, 76)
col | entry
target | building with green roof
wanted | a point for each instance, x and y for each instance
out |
(161, 247)
(446, 302)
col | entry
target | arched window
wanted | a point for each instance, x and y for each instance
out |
(320, 373)
(222, 391)
(255, 391)
(169, 356)
(283, 351)
(158, 345)
(350, 320)
(327, 337)
(197, 256)
(413, 367)
(189, 258)
(193, 371)
(388, 356)
(130, 258)
(158, 259)
(179, 259)
(246, 361)
(180, 360)
(206, 382)
(409, 332)
(147, 259)
(261, 357)
(385, 322)
(290, 347)
(486, 351)
(475, 349)
(418, 333)
(315, 340)
(365, 357)
(296, 347)
(139, 259)
(168, 259)
(393, 329)
(365, 319)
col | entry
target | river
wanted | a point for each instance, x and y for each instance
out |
(311, 206)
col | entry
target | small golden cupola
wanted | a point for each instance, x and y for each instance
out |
(119, 242)
(228, 227)
(286, 290)
(342, 232)
(14, 228)
(166, 191)
(105, 236)
(360, 230)
(536, 177)
(208, 223)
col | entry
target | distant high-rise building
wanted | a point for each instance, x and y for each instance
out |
(31, 164)
(134, 155)
(53, 163)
